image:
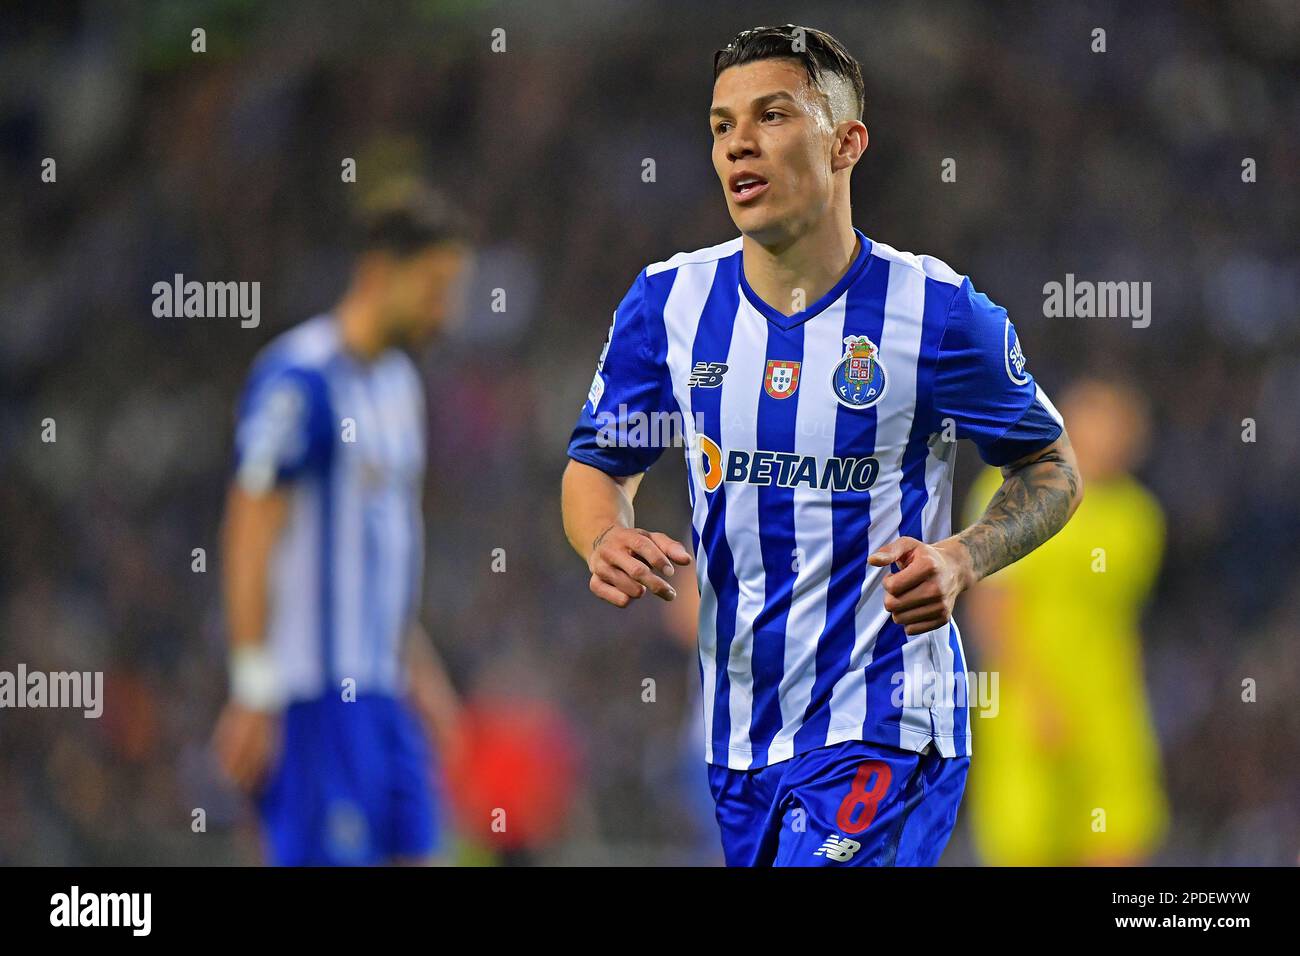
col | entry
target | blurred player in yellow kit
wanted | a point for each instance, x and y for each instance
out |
(1068, 771)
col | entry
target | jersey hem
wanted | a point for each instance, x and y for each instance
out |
(594, 460)
(902, 738)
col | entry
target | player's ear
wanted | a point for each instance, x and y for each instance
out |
(850, 144)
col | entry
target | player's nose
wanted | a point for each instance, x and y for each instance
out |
(742, 143)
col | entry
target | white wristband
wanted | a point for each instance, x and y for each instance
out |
(253, 680)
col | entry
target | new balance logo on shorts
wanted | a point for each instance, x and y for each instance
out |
(837, 848)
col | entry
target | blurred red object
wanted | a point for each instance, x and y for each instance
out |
(513, 777)
(132, 723)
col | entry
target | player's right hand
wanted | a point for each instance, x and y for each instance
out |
(625, 563)
(244, 742)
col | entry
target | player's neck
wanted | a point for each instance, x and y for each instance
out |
(359, 329)
(795, 274)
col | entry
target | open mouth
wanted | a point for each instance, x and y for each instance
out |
(746, 187)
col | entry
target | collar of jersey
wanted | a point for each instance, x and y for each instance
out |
(788, 322)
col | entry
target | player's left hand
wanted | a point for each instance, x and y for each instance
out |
(245, 742)
(922, 593)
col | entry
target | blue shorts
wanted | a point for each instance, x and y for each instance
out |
(850, 804)
(353, 785)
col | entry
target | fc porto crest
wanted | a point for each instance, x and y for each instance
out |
(859, 379)
(782, 378)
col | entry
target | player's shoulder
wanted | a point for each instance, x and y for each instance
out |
(398, 366)
(931, 267)
(1137, 498)
(696, 257)
(649, 292)
(305, 348)
(293, 363)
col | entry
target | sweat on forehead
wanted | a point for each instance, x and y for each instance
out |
(828, 95)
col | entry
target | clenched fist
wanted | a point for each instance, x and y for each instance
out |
(245, 742)
(923, 592)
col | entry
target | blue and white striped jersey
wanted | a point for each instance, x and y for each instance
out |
(812, 440)
(345, 438)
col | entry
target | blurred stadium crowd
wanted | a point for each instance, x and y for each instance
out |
(225, 166)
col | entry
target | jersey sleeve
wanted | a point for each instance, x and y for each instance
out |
(983, 385)
(631, 385)
(283, 428)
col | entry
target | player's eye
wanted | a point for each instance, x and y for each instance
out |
(771, 113)
(721, 128)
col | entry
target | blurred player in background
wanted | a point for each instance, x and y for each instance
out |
(822, 380)
(323, 557)
(1072, 733)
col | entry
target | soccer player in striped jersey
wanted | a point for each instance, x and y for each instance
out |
(323, 557)
(820, 379)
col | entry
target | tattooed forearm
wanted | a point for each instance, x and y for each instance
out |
(1035, 501)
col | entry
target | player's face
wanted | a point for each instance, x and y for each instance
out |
(1108, 429)
(772, 148)
(423, 292)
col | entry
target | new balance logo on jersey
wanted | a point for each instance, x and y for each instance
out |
(838, 848)
(706, 375)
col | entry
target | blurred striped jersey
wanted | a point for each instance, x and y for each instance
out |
(812, 440)
(346, 439)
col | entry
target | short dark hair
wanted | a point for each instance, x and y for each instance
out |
(406, 216)
(817, 50)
